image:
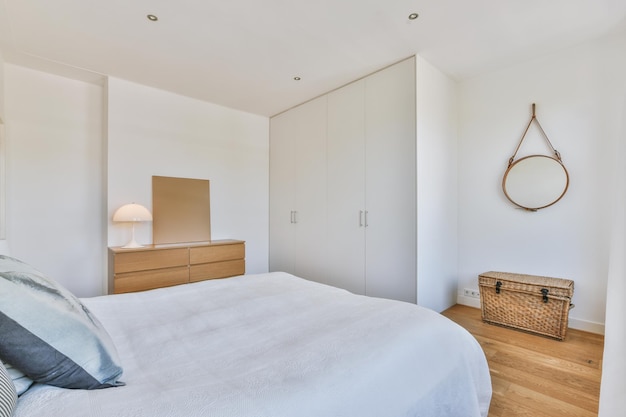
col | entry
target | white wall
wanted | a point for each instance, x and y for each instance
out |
(612, 399)
(437, 204)
(4, 247)
(54, 172)
(1, 86)
(579, 95)
(153, 132)
(65, 179)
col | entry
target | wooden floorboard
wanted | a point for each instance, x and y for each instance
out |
(537, 376)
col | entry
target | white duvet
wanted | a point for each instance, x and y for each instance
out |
(274, 345)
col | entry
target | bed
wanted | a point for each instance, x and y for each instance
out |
(274, 345)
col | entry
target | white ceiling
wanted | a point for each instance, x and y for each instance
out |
(244, 54)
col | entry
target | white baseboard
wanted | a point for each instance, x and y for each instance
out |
(573, 323)
(586, 326)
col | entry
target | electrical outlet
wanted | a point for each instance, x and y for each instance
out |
(471, 293)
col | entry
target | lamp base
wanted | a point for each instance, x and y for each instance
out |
(132, 244)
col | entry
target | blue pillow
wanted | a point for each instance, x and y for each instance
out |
(8, 396)
(48, 334)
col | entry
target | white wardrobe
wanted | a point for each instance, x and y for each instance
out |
(343, 186)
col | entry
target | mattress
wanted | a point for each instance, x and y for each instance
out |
(275, 345)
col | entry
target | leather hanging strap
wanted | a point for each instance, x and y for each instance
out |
(534, 119)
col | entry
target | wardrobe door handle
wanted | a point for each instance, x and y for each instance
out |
(366, 224)
(360, 218)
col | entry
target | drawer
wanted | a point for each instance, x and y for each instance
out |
(147, 280)
(150, 259)
(217, 270)
(216, 253)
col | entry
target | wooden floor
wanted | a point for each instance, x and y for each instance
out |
(536, 376)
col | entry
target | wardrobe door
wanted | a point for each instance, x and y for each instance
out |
(346, 187)
(310, 190)
(282, 233)
(390, 178)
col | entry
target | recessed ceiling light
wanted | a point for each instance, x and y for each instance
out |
(413, 16)
(152, 17)
(297, 78)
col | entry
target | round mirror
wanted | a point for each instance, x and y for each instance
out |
(535, 182)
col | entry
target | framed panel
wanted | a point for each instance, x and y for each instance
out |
(181, 210)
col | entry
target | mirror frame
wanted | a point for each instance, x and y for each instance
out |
(550, 202)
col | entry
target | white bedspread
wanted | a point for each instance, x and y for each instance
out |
(273, 345)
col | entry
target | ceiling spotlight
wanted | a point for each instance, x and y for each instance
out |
(297, 78)
(413, 16)
(152, 18)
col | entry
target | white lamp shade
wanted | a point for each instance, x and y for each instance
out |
(132, 213)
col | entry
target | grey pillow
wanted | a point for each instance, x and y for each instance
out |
(49, 335)
(8, 396)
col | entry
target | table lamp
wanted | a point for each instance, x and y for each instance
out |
(132, 213)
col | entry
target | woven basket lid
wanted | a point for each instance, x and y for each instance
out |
(530, 279)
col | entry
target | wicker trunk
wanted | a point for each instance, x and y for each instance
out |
(526, 302)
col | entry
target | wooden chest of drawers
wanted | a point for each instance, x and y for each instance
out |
(156, 266)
